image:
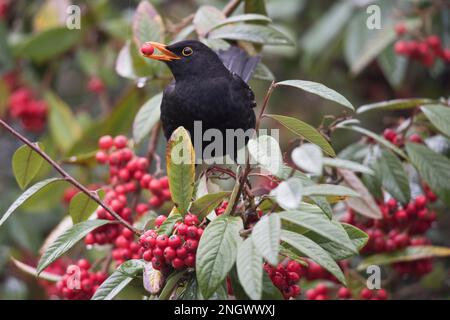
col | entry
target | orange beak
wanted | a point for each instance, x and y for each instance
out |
(166, 55)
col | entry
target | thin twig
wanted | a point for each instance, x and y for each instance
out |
(68, 177)
(244, 177)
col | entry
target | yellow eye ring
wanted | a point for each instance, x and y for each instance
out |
(187, 51)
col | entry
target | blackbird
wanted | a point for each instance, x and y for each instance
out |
(207, 87)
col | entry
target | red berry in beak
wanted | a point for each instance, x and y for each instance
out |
(147, 49)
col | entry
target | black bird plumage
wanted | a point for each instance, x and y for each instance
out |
(208, 89)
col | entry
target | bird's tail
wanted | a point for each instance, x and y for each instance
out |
(239, 62)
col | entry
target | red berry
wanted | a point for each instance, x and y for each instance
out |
(321, 288)
(147, 49)
(105, 142)
(191, 245)
(122, 242)
(181, 252)
(160, 220)
(434, 41)
(145, 180)
(96, 85)
(164, 182)
(161, 241)
(191, 232)
(155, 186)
(366, 294)
(190, 219)
(101, 157)
(120, 142)
(344, 293)
(294, 266)
(177, 263)
(382, 294)
(400, 29)
(84, 264)
(189, 261)
(155, 202)
(169, 254)
(174, 241)
(420, 201)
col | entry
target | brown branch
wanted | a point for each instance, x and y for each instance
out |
(244, 177)
(68, 177)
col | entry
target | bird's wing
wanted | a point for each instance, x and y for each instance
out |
(239, 62)
(241, 93)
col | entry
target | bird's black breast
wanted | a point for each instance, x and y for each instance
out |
(221, 103)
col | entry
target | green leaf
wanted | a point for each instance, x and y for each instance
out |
(216, 252)
(204, 205)
(249, 265)
(347, 164)
(266, 237)
(117, 281)
(377, 40)
(309, 158)
(365, 204)
(48, 44)
(289, 193)
(270, 292)
(64, 128)
(397, 104)
(329, 190)
(318, 89)
(26, 164)
(407, 254)
(147, 26)
(337, 251)
(244, 18)
(180, 159)
(168, 224)
(433, 167)
(32, 271)
(146, 118)
(305, 131)
(266, 151)
(313, 251)
(321, 225)
(26, 195)
(382, 141)
(67, 240)
(255, 33)
(439, 116)
(81, 206)
(171, 284)
(394, 66)
(393, 176)
(206, 18)
(326, 29)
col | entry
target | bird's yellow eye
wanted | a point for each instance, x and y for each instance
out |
(187, 51)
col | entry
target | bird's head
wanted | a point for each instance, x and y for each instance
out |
(188, 58)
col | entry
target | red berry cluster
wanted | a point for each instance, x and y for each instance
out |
(58, 267)
(322, 291)
(395, 138)
(31, 112)
(316, 272)
(425, 50)
(285, 277)
(96, 85)
(125, 248)
(401, 226)
(70, 192)
(4, 6)
(78, 283)
(127, 173)
(178, 250)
